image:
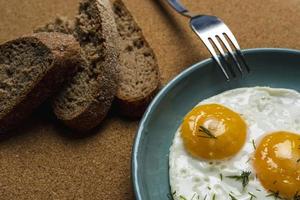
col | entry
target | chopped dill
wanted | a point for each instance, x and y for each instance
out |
(193, 196)
(248, 160)
(252, 195)
(244, 178)
(170, 196)
(232, 197)
(207, 132)
(296, 196)
(276, 195)
(253, 144)
(221, 177)
(182, 197)
(214, 197)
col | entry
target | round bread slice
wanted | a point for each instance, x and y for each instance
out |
(139, 72)
(31, 69)
(84, 102)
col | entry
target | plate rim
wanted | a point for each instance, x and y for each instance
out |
(160, 95)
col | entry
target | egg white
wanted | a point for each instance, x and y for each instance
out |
(264, 110)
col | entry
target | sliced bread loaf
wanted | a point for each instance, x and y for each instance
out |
(138, 68)
(139, 72)
(84, 102)
(31, 69)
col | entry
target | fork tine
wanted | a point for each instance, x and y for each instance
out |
(232, 39)
(215, 57)
(243, 59)
(222, 53)
(227, 46)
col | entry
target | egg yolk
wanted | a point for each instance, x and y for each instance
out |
(277, 163)
(213, 132)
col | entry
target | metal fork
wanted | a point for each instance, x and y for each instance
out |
(215, 35)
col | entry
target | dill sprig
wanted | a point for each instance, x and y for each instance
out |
(207, 132)
(253, 144)
(232, 197)
(296, 196)
(171, 195)
(274, 194)
(248, 159)
(244, 178)
(252, 195)
(221, 177)
(182, 197)
(194, 196)
(214, 197)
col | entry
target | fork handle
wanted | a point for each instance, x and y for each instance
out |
(177, 5)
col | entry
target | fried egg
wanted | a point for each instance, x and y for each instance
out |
(241, 144)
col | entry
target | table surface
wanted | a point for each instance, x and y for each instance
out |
(41, 163)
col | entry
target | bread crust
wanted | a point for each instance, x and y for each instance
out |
(64, 50)
(135, 109)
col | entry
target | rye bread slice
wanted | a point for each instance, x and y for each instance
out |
(138, 68)
(31, 69)
(139, 72)
(84, 102)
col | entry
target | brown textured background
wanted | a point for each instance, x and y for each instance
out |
(43, 164)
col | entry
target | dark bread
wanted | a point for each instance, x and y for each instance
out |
(138, 68)
(139, 72)
(84, 102)
(31, 70)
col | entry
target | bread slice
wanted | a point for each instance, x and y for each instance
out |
(84, 102)
(138, 68)
(139, 72)
(31, 69)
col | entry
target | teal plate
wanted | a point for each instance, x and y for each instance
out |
(150, 173)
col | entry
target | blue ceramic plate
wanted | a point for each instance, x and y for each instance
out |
(270, 67)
